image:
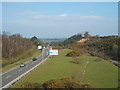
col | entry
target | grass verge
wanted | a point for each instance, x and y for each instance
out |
(99, 73)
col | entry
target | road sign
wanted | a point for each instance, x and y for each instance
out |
(39, 47)
(53, 52)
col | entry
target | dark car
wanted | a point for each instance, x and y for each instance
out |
(34, 59)
(22, 65)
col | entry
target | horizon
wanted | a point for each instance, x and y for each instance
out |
(60, 19)
(41, 38)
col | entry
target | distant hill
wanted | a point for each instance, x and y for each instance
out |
(51, 39)
(70, 40)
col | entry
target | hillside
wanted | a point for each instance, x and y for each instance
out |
(68, 41)
(104, 47)
(83, 40)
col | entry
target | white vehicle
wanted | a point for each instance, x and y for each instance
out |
(22, 65)
(39, 47)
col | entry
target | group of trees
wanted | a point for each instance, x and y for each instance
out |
(109, 46)
(13, 46)
(86, 35)
(36, 41)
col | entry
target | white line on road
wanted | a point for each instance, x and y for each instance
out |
(7, 76)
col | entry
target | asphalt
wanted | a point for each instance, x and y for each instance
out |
(18, 71)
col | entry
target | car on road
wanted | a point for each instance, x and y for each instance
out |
(34, 59)
(22, 65)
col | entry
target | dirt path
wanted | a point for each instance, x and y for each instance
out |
(83, 74)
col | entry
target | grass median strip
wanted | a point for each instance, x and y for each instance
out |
(100, 74)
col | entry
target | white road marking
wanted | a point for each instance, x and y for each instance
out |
(7, 76)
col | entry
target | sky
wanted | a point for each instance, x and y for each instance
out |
(60, 19)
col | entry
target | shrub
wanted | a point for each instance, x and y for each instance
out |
(73, 53)
(53, 84)
(66, 82)
(77, 52)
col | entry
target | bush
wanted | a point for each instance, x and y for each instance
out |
(66, 82)
(77, 52)
(53, 84)
(71, 54)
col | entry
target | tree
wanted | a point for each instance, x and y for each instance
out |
(86, 35)
(34, 38)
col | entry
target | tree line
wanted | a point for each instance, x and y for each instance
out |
(14, 45)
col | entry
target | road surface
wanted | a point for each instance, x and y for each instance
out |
(13, 74)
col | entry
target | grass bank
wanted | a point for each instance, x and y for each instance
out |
(23, 57)
(99, 73)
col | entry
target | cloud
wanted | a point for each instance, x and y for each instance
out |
(61, 24)
(63, 15)
(35, 18)
(38, 15)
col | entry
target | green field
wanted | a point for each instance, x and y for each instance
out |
(34, 52)
(100, 74)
